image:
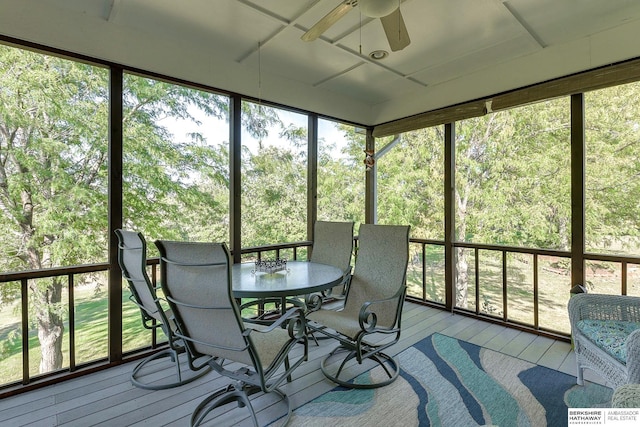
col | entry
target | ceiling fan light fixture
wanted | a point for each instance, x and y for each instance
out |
(377, 55)
(377, 8)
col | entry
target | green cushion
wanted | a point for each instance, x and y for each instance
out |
(609, 335)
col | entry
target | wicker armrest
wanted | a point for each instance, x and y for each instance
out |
(633, 356)
(626, 396)
(603, 307)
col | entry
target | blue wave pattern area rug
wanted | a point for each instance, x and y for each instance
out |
(448, 382)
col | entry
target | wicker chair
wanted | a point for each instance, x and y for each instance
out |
(369, 323)
(606, 335)
(196, 279)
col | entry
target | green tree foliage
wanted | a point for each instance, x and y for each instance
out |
(411, 182)
(612, 118)
(341, 177)
(53, 166)
(513, 176)
(512, 181)
(53, 172)
(174, 186)
(274, 180)
(274, 189)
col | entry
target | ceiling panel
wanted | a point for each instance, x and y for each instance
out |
(455, 29)
(561, 21)
(479, 59)
(204, 24)
(369, 83)
(458, 47)
(97, 8)
(285, 55)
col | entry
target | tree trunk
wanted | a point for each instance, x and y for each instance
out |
(461, 266)
(46, 296)
(50, 325)
(462, 278)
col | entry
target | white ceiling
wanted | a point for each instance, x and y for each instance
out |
(460, 49)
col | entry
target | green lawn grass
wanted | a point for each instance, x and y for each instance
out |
(90, 333)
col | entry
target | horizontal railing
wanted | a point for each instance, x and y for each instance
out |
(425, 281)
(276, 249)
(549, 317)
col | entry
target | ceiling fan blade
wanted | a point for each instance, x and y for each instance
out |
(327, 21)
(395, 30)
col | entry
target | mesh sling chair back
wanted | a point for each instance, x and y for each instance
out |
(333, 245)
(369, 323)
(132, 258)
(196, 279)
(606, 335)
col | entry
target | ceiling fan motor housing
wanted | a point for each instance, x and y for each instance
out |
(377, 8)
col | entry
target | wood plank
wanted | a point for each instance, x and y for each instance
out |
(472, 330)
(518, 344)
(461, 323)
(498, 342)
(555, 355)
(536, 349)
(487, 334)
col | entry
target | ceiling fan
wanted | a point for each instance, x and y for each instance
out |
(387, 10)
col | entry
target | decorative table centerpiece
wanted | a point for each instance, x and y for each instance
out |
(270, 266)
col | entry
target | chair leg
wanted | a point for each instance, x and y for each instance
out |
(314, 337)
(286, 367)
(240, 393)
(137, 374)
(175, 357)
(580, 376)
(230, 393)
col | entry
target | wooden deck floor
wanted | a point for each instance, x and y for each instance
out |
(107, 398)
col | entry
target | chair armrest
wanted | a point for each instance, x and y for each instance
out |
(294, 319)
(313, 302)
(633, 356)
(368, 319)
(603, 307)
(626, 396)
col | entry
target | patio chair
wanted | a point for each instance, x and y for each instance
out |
(369, 323)
(196, 279)
(132, 257)
(333, 245)
(606, 336)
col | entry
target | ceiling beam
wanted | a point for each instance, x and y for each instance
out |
(112, 9)
(276, 18)
(523, 23)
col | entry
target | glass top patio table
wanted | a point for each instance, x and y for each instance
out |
(300, 278)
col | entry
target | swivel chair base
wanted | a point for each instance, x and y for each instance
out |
(237, 392)
(388, 364)
(181, 377)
